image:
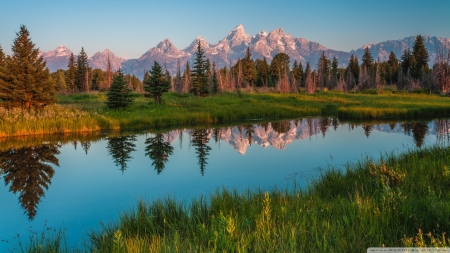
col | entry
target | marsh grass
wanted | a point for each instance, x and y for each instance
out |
(399, 200)
(369, 204)
(88, 112)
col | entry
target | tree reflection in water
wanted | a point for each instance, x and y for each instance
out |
(158, 151)
(120, 149)
(28, 170)
(419, 131)
(199, 141)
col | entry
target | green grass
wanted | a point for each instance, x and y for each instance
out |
(88, 112)
(398, 201)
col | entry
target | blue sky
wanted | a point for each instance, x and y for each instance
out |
(130, 28)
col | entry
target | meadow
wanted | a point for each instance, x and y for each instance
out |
(399, 200)
(88, 112)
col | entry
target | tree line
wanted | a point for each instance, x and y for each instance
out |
(25, 80)
(409, 72)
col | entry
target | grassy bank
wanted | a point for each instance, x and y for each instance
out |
(398, 201)
(88, 112)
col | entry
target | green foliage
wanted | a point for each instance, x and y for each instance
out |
(389, 202)
(119, 95)
(406, 60)
(25, 80)
(279, 66)
(87, 112)
(352, 72)
(367, 59)
(323, 70)
(248, 69)
(81, 77)
(199, 76)
(71, 74)
(157, 84)
(393, 68)
(297, 72)
(59, 79)
(262, 73)
(420, 54)
(98, 78)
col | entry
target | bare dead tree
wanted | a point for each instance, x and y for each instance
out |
(108, 74)
(309, 84)
(441, 70)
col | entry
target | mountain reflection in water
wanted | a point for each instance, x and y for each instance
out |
(27, 165)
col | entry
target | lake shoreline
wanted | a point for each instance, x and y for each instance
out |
(400, 200)
(88, 112)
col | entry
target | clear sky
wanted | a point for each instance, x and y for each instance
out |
(130, 28)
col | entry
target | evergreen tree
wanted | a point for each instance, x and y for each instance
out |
(297, 73)
(334, 72)
(406, 60)
(393, 68)
(59, 80)
(279, 66)
(352, 71)
(199, 80)
(420, 54)
(367, 59)
(119, 95)
(82, 71)
(262, 72)
(307, 69)
(156, 84)
(71, 74)
(98, 79)
(158, 151)
(323, 70)
(248, 69)
(24, 78)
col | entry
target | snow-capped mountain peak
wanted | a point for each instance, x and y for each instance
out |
(61, 51)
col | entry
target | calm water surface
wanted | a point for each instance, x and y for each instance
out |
(77, 181)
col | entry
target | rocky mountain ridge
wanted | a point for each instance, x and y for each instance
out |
(233, 47)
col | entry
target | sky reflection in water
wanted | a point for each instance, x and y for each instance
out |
(76, 181)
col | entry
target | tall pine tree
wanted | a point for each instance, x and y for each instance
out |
(71, 74)
(248, 69)
(199, 80)
(119, 95)
(406, 60)
(24, 78)
(420, 54)
(367, 59)
(279, 66)
(82, 71)
(393, 67)
(157, 83)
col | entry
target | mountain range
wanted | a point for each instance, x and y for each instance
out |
(233, 47)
